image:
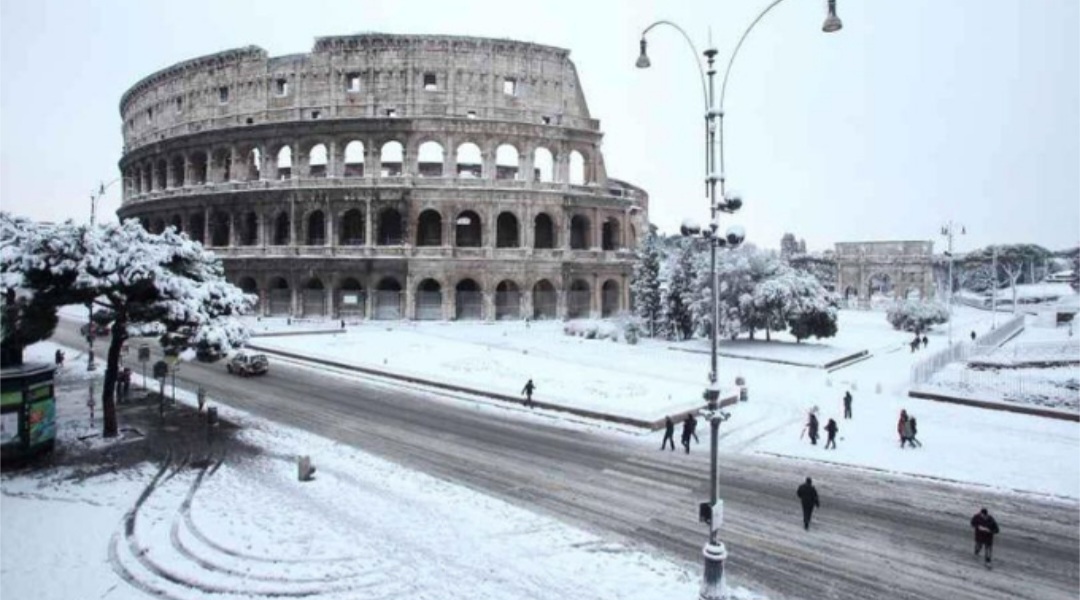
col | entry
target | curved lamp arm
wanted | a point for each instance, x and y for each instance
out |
(693, 48)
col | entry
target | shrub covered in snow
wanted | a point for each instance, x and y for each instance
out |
(916, 315)
(597, 329)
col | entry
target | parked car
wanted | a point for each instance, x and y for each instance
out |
(98, 329)
(207, 352)
(248, 363)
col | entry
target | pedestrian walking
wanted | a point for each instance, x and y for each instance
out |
(812, 429)
(913, 429)
(915, 344)
(693, 428)
(528, 391)
(985, 529)
(59, 357)
(808, 496)
(973, 335)
(901, 427)
(847, 404)
(687, 431)
(125, 382)
(669, 434)
(925, 341)
(831, 428)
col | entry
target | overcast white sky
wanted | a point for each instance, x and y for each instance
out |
(917, 112)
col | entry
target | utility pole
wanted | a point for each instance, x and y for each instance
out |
(994, 284)
(949, 230)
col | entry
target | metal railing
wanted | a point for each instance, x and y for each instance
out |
(923, 371)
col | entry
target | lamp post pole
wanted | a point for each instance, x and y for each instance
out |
(949, 230)
(713, 583)
(94, 197)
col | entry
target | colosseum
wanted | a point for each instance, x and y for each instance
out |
(388, 177)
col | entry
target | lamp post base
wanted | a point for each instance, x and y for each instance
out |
(713, 588)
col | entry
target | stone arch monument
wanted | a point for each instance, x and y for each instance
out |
(896, 269)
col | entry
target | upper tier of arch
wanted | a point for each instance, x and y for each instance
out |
(369, 75)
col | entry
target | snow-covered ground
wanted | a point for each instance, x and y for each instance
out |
(364, 528)
(654, 378)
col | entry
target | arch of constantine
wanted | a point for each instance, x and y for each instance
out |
(894, 269)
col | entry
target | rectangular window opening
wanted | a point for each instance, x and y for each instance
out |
(510, 86)
(353, 83)
(471, 114)
(282, 87)
(223, 94)
(315, 114)
(430, 82)
(391, 112)
(179, 105)
(150, 115)
(545, 120)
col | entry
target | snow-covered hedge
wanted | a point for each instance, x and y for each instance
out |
(916, 315)
(627, 327)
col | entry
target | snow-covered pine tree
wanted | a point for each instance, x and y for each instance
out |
(916, 315)
(645, 286)
(680, 292)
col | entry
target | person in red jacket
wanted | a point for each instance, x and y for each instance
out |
(985, 529)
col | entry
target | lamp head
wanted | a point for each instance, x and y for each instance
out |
(735, 235)
(643, 58)
(690, 227)
(832, 22)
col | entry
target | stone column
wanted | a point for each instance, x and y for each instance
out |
(595, 302)
(189, 169)
(488, 313)
(450, 159)
(330, 218)
(369, 224)
(373, 163)
(410, 298)
(487, 164)
(597, 241)
(206, 227)
(560, 300)
(526, 301)
(333, 168)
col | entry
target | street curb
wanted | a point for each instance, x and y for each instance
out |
(833, 364)
(1037, 412)
(650, 425)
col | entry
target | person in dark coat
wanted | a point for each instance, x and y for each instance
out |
(687, 431)
(913, 430)
(973, 336)
(693, 428)
(669, 433)
(812, 429)
(985, 529)
(59, 357)
(807, 494)
(925, 341)
(831, 428)
(902, 427)
(847, 404)
(528, 391)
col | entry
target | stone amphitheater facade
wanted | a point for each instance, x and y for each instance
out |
(388, 177)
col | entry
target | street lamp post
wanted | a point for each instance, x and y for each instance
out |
(94, 197)
(714, 552)
(949, 230)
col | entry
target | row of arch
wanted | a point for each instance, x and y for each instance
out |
(321, 159)
(431, 300)
(221, 229)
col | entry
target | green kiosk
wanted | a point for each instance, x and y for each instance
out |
(27, 411)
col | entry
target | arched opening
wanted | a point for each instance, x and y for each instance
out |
(282, 229)
(254, 165)
(220, 229)
(391, 232)
(507, 300)
(197, 228)
(578, 300)
(543, 232)
(430, 158)
(543, 165)
(280, 297)
(850, 292)
(506, 162)
(429, 229)
(880, 284)
(177, 223)
(351, 299)
(248, 286)
(467, 231)
(610, 234)
(158, 227)
(469, 161)
(177, 174)
(198, 168)
(354, 159)
(545, 300)
(579, 233)
(468, 300)
(913, 293)
(221, 171)
(387, 299)
(391, 157)
(609, 298)
(577, 168)
(317, 161)
(506, 231)
(316, 229)
(352, 228)
(284, 163)
(314, 304)
(429, 300)
(161, 175)
(249, 229)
